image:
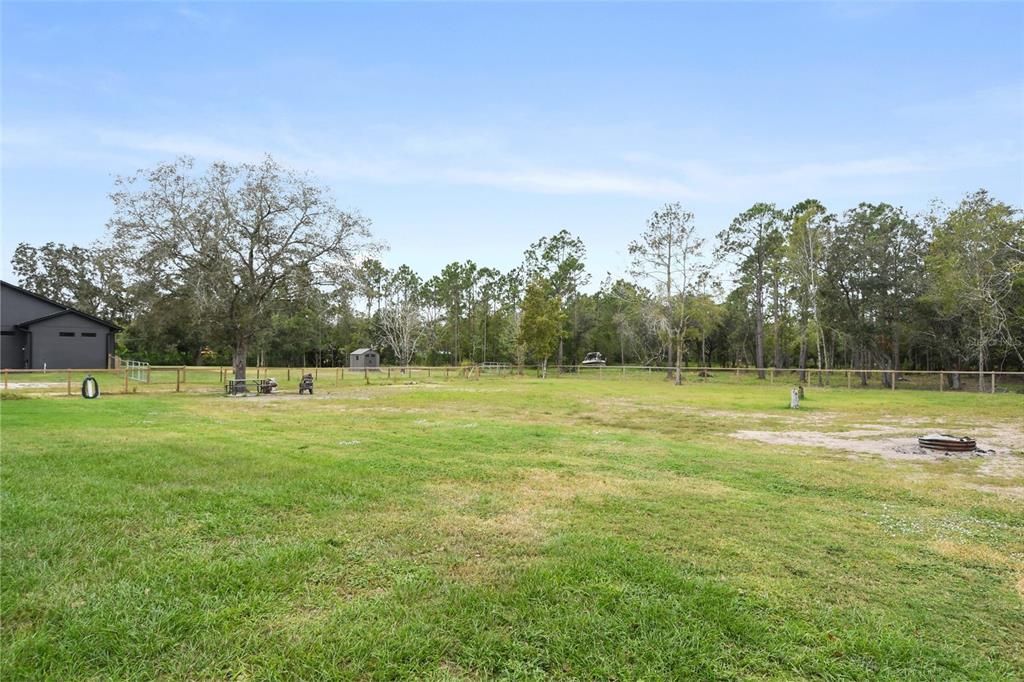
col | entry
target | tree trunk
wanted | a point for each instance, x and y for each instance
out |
(544, 368)
(895, 354)
(777, 362)
(671, 364)
(759, 340)
(803, 357)
(820, 349)
(575, 332)
(679, 373)
(238, 363)
(981, 361)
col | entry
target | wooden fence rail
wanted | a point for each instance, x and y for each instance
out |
(198, 377)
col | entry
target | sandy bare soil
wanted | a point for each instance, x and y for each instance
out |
(1000, 446)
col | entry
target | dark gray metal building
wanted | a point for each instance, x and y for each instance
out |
(37, 332)
(364, 358)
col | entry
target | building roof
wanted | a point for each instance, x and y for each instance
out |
(360, 351)
(69, 311)
(65, 309)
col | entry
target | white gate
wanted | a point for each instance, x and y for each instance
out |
(136, 370)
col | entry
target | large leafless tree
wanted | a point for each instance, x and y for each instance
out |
(668, 254)
(234, 237)
(401, 323)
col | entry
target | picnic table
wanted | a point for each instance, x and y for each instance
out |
(242, 386)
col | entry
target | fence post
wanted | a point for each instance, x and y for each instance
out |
(149, 374)
(336, 373)
(289, 377)
(771, 376)
(177, 380)
(125, 370)
(184, 374)
(993, 382)
(446, 372)
(389, 372)
(894, 380)
(849, 380)
(342, 373)
(316, 372)
(69, 382)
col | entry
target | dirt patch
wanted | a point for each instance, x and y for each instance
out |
(1003, 466)
(999, 461)
(861, 441)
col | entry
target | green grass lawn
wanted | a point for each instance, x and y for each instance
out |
(504, 528)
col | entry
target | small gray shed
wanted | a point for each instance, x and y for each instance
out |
(364, 358)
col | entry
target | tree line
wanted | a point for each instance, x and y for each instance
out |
(256, 263)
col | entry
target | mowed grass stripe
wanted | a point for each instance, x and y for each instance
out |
(511, 528)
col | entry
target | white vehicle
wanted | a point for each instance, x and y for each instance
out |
(594, 359)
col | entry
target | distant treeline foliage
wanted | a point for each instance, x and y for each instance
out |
(872, 287)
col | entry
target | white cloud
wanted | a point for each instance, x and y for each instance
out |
(173, 145)
(484, 158)
(416, 159)
(192, 15)
(562, 181)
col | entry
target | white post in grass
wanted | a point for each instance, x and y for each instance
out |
(794, 398)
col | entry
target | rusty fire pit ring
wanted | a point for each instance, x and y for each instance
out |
(947, 443)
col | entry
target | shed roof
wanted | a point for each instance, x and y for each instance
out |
(66, 309)
(69, 311)
(361, 351)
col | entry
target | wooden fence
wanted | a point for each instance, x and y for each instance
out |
(195, 378)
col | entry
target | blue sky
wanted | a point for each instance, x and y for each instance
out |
(470, 130)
